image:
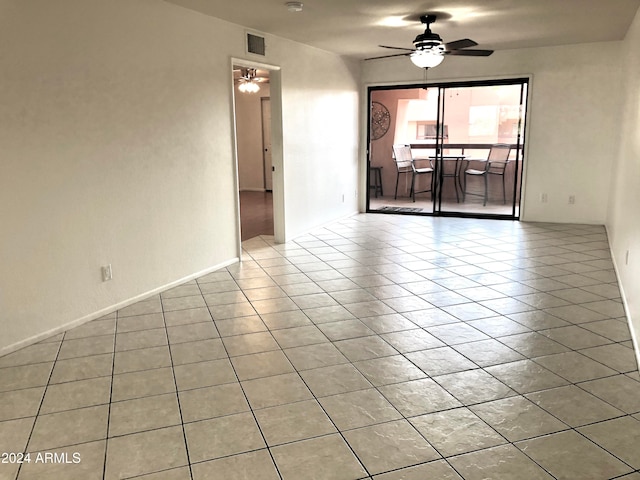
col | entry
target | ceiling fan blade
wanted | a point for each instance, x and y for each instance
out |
(396, 48)
(389, 56)
(458, 44)
(470, 53)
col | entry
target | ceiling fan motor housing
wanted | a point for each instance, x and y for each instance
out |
(429, 41)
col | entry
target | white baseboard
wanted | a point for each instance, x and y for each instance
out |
(634, 338)
(110, 309)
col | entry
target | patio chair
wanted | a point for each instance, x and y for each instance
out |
(406, 164)
(496, 164)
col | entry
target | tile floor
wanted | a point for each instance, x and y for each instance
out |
(383, 347)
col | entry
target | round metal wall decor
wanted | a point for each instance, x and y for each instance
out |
(380, 120)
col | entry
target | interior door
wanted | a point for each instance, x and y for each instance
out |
(266, 142)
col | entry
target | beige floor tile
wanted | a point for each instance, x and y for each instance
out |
(290, 319)
(389, 323)
(504, 461)
(38, 353)
(488, 352)
(561, 402)
(438, 469)
(83, 347)
(456, 431)
(92, 329)
(390, 446)
(151, 305)
(140, 414)
(526, 376)
(568, 455)
(204, 374)
(211, 402)
(620, 391)
(474, 386)
(192, 332)
(250, 343)
(408, 340)
(141, 339)
(365, 348)
(315, 356)
(334, 379)
(142, 359)
(225, 298)
(517, 418)
(328, 314)
(358, 409)
(440, 361)
(222, 436)
(14, 435)
(140, 322)
(182, 303)
(184, 290)
(418, 397)
(82, 368)
(293, 422)
(82, 393)
(326, 457)
(533, 344)
(259, 365)
(615, 356)
(145, 452)
(345, 329)
(180, 473)
(388, 370)
(299, 336)
(608, 436)
(69, 428)
(575, 337)
(574, 366)
(198, 351)
(256, 465)
(142, 384)
(88, 458)
(275, 390)
(184, 317)
(240, 326)
(25, 376)
(20, 403)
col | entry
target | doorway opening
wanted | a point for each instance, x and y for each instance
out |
(252, 107)
(453, 149)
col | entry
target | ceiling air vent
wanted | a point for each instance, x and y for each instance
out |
(255, 44)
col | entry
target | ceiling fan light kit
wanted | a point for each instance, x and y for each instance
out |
(426, 58)
(294, 6)
(430, 50)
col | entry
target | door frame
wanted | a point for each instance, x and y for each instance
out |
(277, 158)
(444, 84)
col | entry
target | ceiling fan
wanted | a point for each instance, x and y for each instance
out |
(248, 79)
(429, 48)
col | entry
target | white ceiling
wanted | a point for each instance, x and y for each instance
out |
(355, 28)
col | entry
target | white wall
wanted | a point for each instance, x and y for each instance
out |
(117, 148)
(574, 119)
(623, 223)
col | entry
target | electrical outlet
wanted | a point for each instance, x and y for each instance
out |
(107, 273)
(543, 198)
(572, 199)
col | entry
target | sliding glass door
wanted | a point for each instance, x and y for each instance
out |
(470, 134)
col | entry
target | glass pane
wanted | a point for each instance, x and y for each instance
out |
(481, 156)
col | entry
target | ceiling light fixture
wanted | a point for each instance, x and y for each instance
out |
(249, 87)
(426, 58)
(294, 6)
